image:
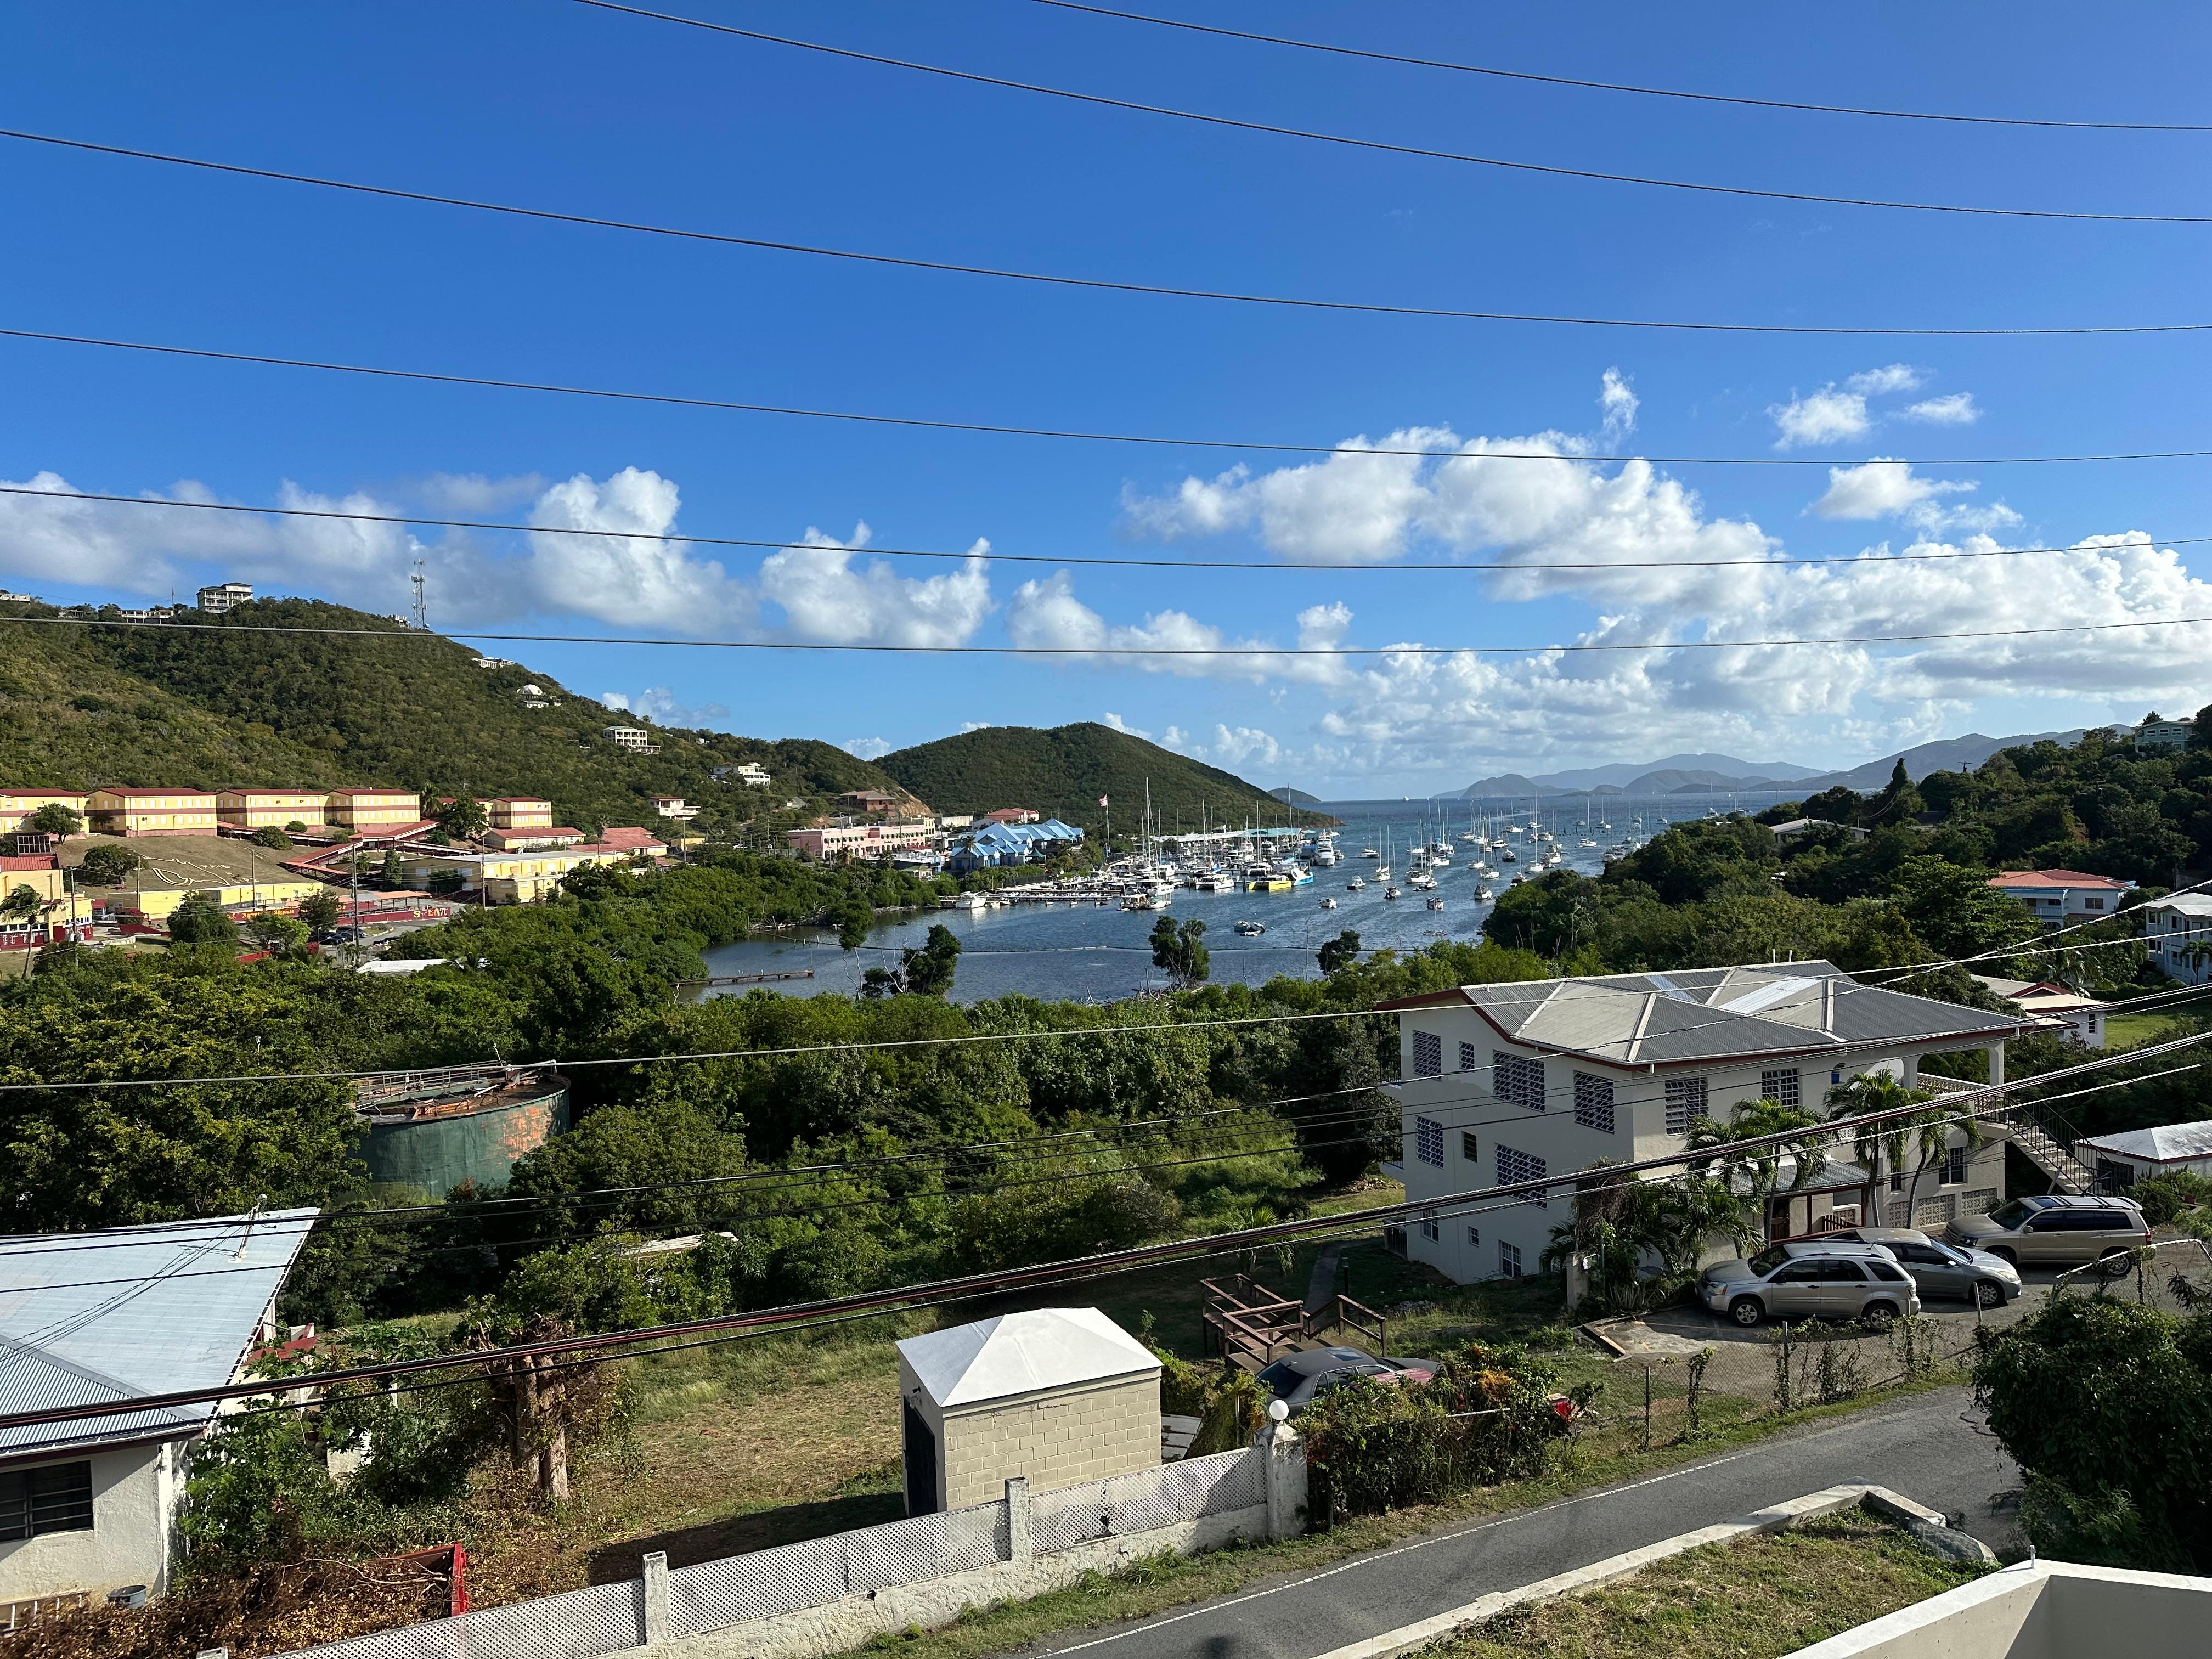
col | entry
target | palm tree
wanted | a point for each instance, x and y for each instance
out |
(1923, 1135)
(1759, 1168)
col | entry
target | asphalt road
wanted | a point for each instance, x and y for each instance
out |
(1920, 1447)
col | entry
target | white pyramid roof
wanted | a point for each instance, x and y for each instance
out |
(1020, 1353)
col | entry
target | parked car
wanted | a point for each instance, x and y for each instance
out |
(1811, 1279)
(1944, 1270)
(1297, 1379)
(2055, 1230)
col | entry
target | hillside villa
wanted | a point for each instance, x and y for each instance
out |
(1518, 1082)
(2053, 896)
(2179, 931)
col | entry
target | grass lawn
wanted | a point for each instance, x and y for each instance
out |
(2133, 1030)
(1757, 1599)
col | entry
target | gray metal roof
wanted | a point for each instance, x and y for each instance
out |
(89, 1317)
(2168, 1143)
(1722, 1013)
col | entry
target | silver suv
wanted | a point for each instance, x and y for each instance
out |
(1811, 1279)
(2053, 1230)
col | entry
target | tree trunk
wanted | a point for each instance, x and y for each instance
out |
(553, 1483)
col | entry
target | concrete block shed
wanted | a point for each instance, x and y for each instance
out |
(1057, 1395)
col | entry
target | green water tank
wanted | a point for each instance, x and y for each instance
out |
(434, 1145)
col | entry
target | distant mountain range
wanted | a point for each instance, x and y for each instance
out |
(1684, 774)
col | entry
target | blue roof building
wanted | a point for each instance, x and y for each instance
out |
(90, 1504)
(1003, 844)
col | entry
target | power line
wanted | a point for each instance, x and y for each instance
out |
(1615, 86)
(930, 1292)
(1049, 279)
(994, 558)
(1547, 169)
(1221, 651)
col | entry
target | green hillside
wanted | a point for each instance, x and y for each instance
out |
(1062, 772)
(217, 704)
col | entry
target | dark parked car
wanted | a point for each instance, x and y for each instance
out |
(1944, 1270)
(1296, 1379)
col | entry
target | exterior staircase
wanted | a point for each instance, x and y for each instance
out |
(2067, 1173)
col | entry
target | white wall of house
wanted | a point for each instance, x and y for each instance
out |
(2179, 931)
(135, 1494)
(1459, 1136)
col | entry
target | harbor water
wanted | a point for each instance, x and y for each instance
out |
(1082, 952)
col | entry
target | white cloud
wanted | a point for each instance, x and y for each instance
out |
(658, 704)
(1956, 409)
(1880, 489)
(1879, 382)
(1230, 747)
(1618, 404)
(1825, 416)
(974, 726)
(866, 749)
(1116, 723)
(637, 577)
(1045, 614)
(825, 599)
(1353, 506)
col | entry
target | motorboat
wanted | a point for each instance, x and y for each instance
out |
(1439, 860)
(1139, 901)
(1508, 856)
(1354, 886)
(1587, 844)
(1435, 904)
(1516, 880)
(1483, 895)
(1389, 892)
(1264, 879)
(963, 901)
(1369, 853)
(1328, 904)
(1250, 929)
(1422, 882)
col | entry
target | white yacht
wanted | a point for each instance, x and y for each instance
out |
(1587, 843)
(1389, 892)
(1354, 886)
(1250, 929)
(1508, 856)
(1435, 904)
(1369, 853)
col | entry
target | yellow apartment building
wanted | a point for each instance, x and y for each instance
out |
(16, 804)
(506, 878)
(155, 903)
(519, 812)
(152, 811)
(263, 809)
(367, 810)
(62, 914)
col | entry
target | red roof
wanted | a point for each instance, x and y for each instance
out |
(629, 837)
(32, 861)
(2055, 878)
(114, 789)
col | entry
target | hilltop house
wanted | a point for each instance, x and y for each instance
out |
(2180, 932)
(1518, 1082)
(2053, 896)
(90, 1504)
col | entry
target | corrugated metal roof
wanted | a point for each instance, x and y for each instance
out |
(179, 1319)
(1719, 1013)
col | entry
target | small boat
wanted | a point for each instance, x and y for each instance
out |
(1382, 872)
(1587, 844)
(1354, 886)
(1250, 929)
(1483, 895)
(1435, 904)
(1516, 880)
(1508, 856)
(1369, 853)
(1389, 892)
(1439, 860)
(1328, 904)
(1139, 902)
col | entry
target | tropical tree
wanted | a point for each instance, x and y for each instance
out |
(1181, 951)
(199, 920)
(277, 934)
(270, 836)
(105, 864)
(1920, 1132)
(1340, 953)
(924, 970)
(322, 908)
(463, 816)
(54, 819)
(23, 901)
(1619, 1225)
(1757, 1169)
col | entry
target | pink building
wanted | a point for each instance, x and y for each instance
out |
(836, 843)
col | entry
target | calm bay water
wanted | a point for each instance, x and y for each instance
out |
(1081, 953)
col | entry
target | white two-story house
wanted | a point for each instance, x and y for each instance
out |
(1544, 1077)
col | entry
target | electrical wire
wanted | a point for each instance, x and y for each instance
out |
(1050, 279)
(1097, 101)
(34, 492)
(1615, 86)
(926, 1294)
(1229, 651)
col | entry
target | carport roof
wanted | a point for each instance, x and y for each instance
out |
(1021, 1353)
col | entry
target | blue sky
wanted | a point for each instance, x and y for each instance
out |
(557, 105)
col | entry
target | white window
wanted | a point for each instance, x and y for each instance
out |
(1474, 1235)
(1428, 1055)
(1515, 1081)
(1509, 1259)
(1516, 1166)
(1686, 1099)
(1429, 1141)
(1594, 1101)
(1430, 1231)
(1954, 1167)
(1784, 1088)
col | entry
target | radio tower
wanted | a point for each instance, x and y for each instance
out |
(421, 604)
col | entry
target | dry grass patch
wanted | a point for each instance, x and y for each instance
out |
(1756, 1599)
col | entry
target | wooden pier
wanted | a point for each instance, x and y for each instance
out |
(751, 979)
